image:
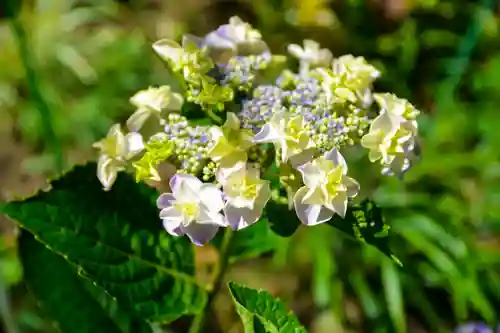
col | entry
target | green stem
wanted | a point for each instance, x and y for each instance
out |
(8, 321)
(33, 87)
(218, 120)
(218, 280)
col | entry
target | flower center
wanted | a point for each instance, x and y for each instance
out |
(248, 191)
(188, 209)
(334, 182)
(111, 147)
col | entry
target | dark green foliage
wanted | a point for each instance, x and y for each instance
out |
(73, 303)
(250, 242)
(261, 313)
(365, 223)
(116, 240)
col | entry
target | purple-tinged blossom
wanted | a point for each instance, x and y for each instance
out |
(193, 209)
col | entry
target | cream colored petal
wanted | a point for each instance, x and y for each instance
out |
(337, 158)
(107, 172)
(351, 185)
(339, 204)
(175, 102)
(185, 186)
(310, 215)
(295, 50)
(211, 197)
(135, 144)
(232, 121)
(168, 50)
(137, 119)
(312, 174)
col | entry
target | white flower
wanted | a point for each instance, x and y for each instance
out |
(311, 54)
(246, 195)
(355, 67)
(290, 137)
(237, 36)
(192, 209)
(396, 106)
(171, 51)
(393, 140)
(326, 191)
(231, 145)
(115, 150)
(152, 102)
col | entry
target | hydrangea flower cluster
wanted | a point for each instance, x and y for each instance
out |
(235, 119)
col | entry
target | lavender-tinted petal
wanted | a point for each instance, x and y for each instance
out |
(200, 234)
(240, 218)
(266, 134)
(165, 200)
(310, 214)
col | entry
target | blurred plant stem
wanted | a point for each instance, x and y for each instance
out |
(33, 86)
(9, 324)
(218, 279)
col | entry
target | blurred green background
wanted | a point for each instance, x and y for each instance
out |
(89, 57)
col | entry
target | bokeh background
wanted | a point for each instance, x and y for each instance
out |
(86, 58)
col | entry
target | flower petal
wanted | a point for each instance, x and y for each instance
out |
(312, 174)
(208, 216)
(193, 183)
(168, 50)
(240, 218)
(211, 196)
(337, 158)
(339, 204)
(267, 134)
(165, 200)
(232, 121)
(107, 171)
(310, 214)
(296, 51)
(175, 102)
(351, 185)
(200, 234)
(172, 221)
(135, 143)
(137, 119)
(217, 40)
(230, 164)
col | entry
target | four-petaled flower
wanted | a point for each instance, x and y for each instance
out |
(289, 135)
(152, 102)
(231, 145)
(115, 150)
(246, 195)
(326, 191)
(193, 209)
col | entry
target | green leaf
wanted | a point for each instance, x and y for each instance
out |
(270, 313)
(393, 296)
(283, 221)
(365, 223)
(74, 303)
(194, 114)
(116, 240)
(250, 242)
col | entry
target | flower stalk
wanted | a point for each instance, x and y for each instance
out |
(218, 280)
